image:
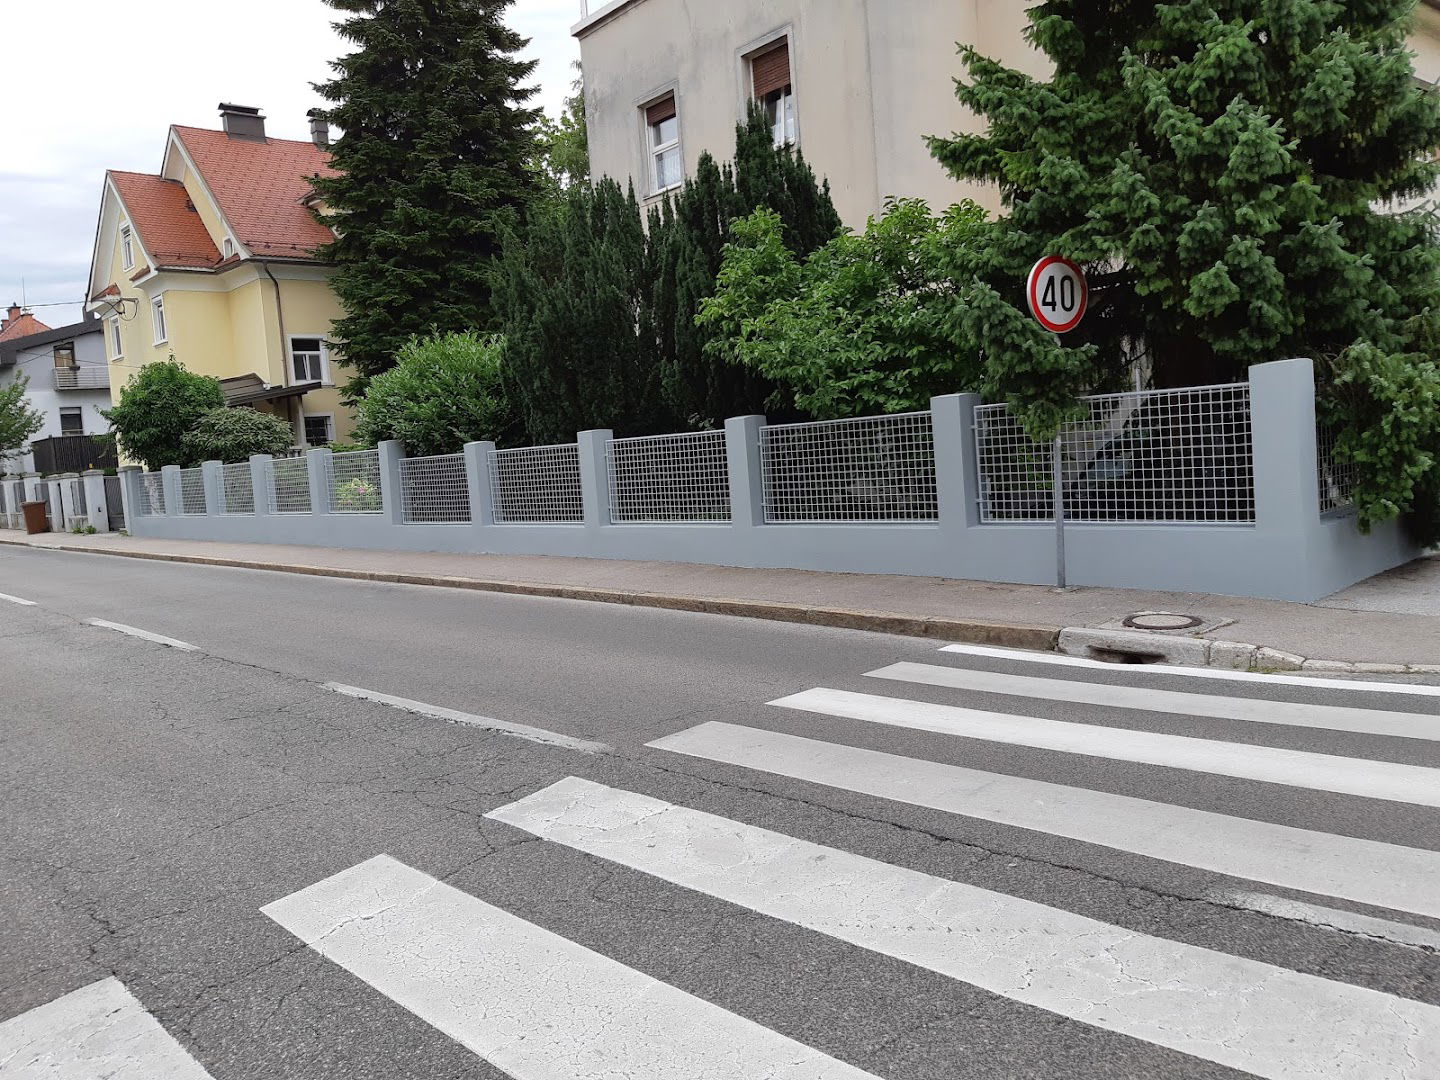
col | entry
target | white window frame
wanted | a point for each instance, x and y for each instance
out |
(655, 151)
(127, 247)
(783, 137)
(228, 248)
(296, 380)
(117, 345)
(157, 317)
(329, 419)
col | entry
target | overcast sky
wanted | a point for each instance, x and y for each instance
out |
(87, 86)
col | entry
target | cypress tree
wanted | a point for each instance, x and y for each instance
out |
(433, 158)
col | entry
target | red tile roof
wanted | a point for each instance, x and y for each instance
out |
(22, 326)
(261, 187)
(169, 226)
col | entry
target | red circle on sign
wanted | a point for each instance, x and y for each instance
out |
(1045, 273)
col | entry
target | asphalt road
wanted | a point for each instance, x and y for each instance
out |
(1256, 897)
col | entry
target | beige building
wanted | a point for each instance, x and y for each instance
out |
(856, 84)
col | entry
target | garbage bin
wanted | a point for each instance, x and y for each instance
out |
(37, 518)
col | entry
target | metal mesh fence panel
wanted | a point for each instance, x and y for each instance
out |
(670, 478)
(238, 484)
(1337, 478)
(435, 490)
(355, 483)
(192, 492)
(1156, 456)
(289, 486)
(537, 485)
(875, 469)
(150, 492)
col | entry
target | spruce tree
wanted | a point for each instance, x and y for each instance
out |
(433, 159)
(1231, 173)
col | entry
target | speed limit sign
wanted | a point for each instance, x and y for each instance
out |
(1058, 294)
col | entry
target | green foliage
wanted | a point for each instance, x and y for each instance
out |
(358, 496)
(435, 156)
(158, 407)
(232, 435)
(860, 327)
(1227, 173)
(18, 421)
(443, 392)
(562, 147)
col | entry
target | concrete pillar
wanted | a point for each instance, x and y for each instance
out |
(477, 480)
(595, 476)
(213, 475)
(129, 493)
(318, 463)
(1282, 418)
(957, 476)
(747, 478)
(392, 495)
(260, 483)
(97, 510)
(170, 484)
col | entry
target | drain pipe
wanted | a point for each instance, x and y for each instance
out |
(297, 425)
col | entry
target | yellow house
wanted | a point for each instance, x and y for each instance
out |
(212, 260)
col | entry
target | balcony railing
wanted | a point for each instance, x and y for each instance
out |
(85, 377)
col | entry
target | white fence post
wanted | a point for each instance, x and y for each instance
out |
(97, 511)
(317, 461)
(170, 485)
(392, 495)
(212, 474)
(477, 480)
(747, 478)
(260, 483)
(595, 477)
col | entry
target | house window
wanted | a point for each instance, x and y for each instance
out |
(127, 248)
(308, 360)
(229, 247)
(65, 356)
(317, 431)
(116, 350)
(72, 421)
(775, 90)
(666, 164)
(157, 312)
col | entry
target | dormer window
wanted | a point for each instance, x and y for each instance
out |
(127, 248)
(228, 248)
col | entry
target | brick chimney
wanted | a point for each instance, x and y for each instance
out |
(10, 316)
(319, 128)
(243, 122)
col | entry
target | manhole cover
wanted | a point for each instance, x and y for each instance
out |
(1162, 620)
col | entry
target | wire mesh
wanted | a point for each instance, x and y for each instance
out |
(238, 485)
(355, 483)
(192, 492)
(150, 495)
(1337, 478)
(537, 485)
(670, 478)
(289, 486)
(435, 490)
(874, 469)
(1157, 456)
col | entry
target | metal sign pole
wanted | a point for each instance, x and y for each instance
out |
(1058, 483)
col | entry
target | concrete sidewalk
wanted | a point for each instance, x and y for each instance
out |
(1393, 620)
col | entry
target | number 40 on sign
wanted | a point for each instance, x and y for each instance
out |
(1058, 294)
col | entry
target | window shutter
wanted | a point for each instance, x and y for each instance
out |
(771, 70)
(661, 111)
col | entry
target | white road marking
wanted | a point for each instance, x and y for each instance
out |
(100, 1032)
(530, 1002)
(1253, 710)
(436, 712)
(1424, 690)
(1293, 768)
(16, 600)
(144, 635)
(1256, 1017)
(1326, 918)
(1366, 871)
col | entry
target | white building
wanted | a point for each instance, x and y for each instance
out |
(69, 381)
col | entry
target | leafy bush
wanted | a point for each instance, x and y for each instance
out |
(358, 496)
(232, 435)
(158, 408)
(443, 392)
(18, 421)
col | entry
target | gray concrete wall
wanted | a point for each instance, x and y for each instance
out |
(1289, 553)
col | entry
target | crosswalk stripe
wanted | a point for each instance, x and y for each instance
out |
(1221, 674)
(1253, 710)
(1293, 768)
(1345, 922)
(1237, 1012)
(1366, 871)
(530, 1002)
(98, 1032)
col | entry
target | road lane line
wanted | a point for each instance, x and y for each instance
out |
(1060, 660)
(436, 712)
(144, 635)
(1327, 918)
(1293, 768)
(1366, 871)
(16, 600)
(98, 1031)
(1253, 710)
(1256, 1017)
(528, 1001)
